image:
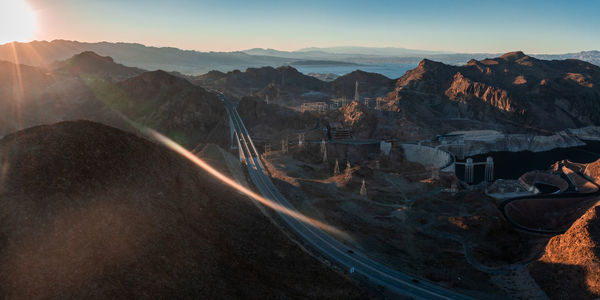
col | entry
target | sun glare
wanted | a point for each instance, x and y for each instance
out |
(17, 21)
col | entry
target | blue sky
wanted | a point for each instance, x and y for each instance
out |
(459, 26)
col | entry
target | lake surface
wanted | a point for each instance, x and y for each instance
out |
(393, 71)
(511, 165)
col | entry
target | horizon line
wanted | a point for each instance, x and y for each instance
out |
(441, 52)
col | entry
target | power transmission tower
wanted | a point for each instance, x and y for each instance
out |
(300, 139)
(363, 188)
(356, 97)
(348, 171)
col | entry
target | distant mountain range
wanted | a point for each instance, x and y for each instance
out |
(379, 51)
(41, 53)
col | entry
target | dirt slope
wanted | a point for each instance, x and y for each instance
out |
(88, 211)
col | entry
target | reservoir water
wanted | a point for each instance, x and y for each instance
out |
(511, 165)
(392, 71)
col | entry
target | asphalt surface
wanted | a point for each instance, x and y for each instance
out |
(578, 199)
(349, 258)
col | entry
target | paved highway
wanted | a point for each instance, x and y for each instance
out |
(396, 282)
(581, 192)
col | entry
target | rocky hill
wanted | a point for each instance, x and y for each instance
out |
(369, 85)
(286, 85)
(89, 211)
(32, 96)
(87, 87)
(508, 92)
(570, 266)
(172, 105)
(282, 83)
(91, 64)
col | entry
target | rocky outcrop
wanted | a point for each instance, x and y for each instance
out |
(465, 90)
(570, 266)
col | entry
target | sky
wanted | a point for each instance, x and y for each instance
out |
(227, 25)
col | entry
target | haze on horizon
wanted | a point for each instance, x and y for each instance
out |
(465, 26)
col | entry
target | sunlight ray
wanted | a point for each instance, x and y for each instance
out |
(19, 93)
(230, 182)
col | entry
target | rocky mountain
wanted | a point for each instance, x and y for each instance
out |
(290, 87)
(88, 87)
(169, 104)
(508, 92)
(589, 56)
(91, 64)
(380, 51)
(89, 211)
(570, 266)
(32, 96)
(284, 83)
(369, 85)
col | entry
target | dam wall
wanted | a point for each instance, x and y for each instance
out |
(426, 155)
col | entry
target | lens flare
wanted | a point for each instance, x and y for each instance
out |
(230, 182)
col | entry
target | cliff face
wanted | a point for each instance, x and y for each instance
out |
(466, 91)
(570, 266)
(504, 91)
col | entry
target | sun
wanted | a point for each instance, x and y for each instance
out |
(17, 21)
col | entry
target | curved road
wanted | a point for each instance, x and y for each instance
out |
(577, 197)
(394, 281)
